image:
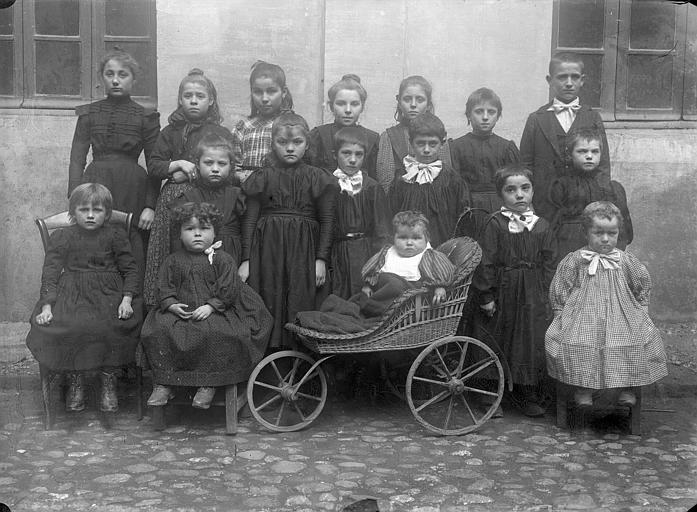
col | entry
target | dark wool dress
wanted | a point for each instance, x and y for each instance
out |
(322, 153)
(220, 350)
(117, 130)
(177, 141)
(362, 227)
(230, 201)
(570, 195)
(84, 278)
(515, 271)
(289, 224)
(442, 202)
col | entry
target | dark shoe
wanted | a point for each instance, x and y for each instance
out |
(627, 399)
(108, 401)
(583, 398)
(533, 410)
(160, 395)
(203, 397)
(75, 399)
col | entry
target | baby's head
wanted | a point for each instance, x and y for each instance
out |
(514, 186)
(483, 110)
(585, 147)
(411, 234)
(350, 144)
(602, 222)
(90, 194)
(566, 76)
(197, 224)
(214, 157)
(427, 135)
(289, 138)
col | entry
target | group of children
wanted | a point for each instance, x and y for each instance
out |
(237, 232)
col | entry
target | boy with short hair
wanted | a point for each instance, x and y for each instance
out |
(542, 146)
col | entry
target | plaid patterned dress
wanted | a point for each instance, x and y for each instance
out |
(602, 336)
(251, 142)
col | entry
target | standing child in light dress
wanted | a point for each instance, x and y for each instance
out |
(197, 114)
(89, 313)
(415, 97)
(602, 336)
(346, 101)
(511, 285)
(118, 129)
(209, 329)
(362, 214)
(429, 184)
(215, 185)
(287, 231)
(252, 136)
(571, 193)
(479, 154)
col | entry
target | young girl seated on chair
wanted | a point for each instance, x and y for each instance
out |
(602, 336)
(89, 313)
(210, 328)
(409, 263)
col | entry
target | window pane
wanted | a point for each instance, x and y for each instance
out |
(57, 68)
(127, 17)
(6, 21)
(57, 17)
(649, 81)
(581, 23)
(592, 68)
(652, 25)
(7, 64)
(145, 84)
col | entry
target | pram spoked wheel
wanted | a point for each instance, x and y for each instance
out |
(455, 385)
(287, 391)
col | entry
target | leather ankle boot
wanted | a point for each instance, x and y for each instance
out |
(75, 398)
(108, 401)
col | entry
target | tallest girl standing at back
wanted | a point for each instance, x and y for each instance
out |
(414, 97)
(251, 137)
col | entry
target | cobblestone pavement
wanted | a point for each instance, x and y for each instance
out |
(354, 450)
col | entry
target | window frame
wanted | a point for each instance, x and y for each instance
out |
(614, 70)
(93, 42)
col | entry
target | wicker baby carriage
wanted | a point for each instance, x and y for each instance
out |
(453, 386)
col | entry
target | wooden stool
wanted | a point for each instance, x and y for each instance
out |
(565, 402)
(232, 401)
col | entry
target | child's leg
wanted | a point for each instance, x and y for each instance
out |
(160, 395)
(583, 397)
(108, 401)
(627, 397)
(204, 397)
(75, 398)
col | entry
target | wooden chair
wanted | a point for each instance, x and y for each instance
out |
(231, 398)
(48, 376)
(565, 403)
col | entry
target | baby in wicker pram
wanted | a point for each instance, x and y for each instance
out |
(409, 263)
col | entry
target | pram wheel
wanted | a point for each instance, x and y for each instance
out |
(455, 385)
(287, 390)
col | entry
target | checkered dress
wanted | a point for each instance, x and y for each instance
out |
(251, 142)
(602, 336)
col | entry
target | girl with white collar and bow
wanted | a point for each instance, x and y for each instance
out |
(601, 336)
(209, 329)
(429, 184)
(511, 285)
(362, 216)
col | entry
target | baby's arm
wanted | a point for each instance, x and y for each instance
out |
(226, 289)
(437, 272)
(564, 282)
(638, 278)
(54, 261)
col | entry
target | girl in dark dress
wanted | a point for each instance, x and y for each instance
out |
(117, 129)
(479, 154)
(511, 285)
(89, 314)
(287, 231)
(362, 214)
(210, 328)
(346, 101)
(428, 184)
(571, 193)
(415, 97)
(214, 163)
(173, 160)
